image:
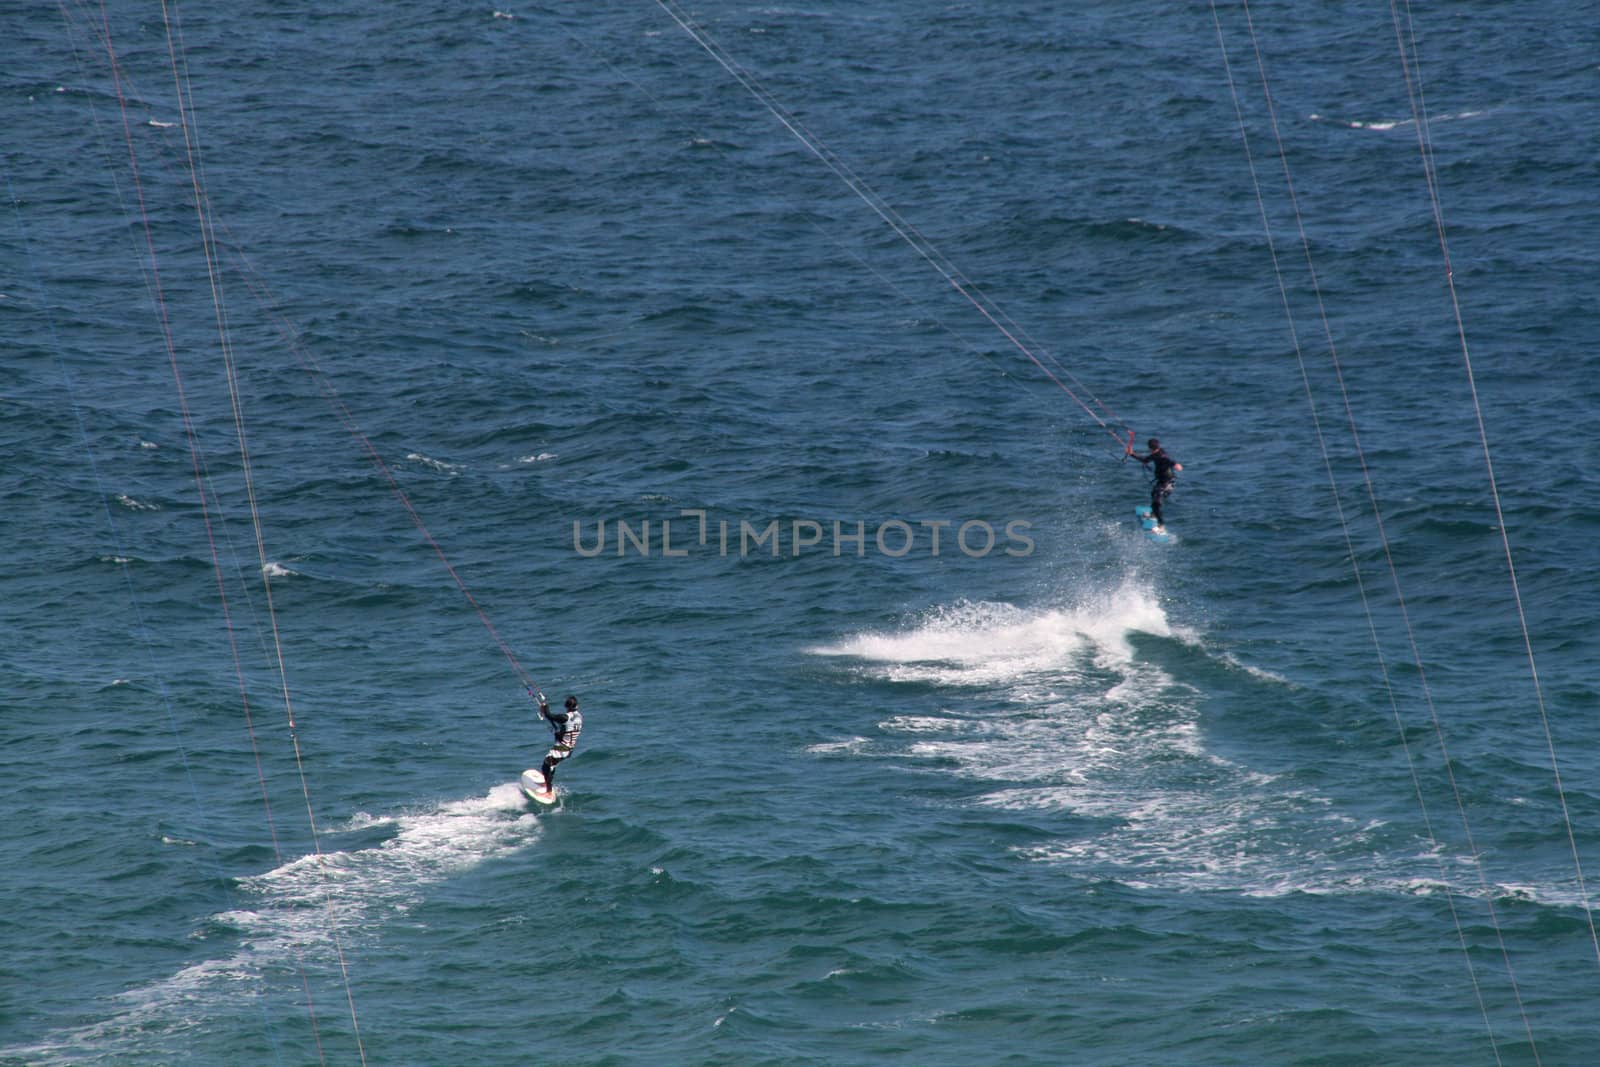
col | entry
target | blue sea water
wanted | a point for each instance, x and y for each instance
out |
(842, 797)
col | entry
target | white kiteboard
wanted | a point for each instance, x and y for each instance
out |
(533, 787)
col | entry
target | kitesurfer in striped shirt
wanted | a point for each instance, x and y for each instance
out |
(565, 725)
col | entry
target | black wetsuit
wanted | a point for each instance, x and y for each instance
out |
(1166, 476)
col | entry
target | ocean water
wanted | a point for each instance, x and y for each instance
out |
(363, 365)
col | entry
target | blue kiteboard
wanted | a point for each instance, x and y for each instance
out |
(1147, 522)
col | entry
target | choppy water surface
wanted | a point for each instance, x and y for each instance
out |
(841, 797)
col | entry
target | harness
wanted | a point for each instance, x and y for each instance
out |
(566, 725)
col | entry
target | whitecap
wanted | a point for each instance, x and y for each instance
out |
(435, 464)
(923, 724)
(849, 746)
(1385, 125)
(986, 642)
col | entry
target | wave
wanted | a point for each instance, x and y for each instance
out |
(434, 464)
(135, 505)
(1061, 713)
(1067, 712)
(1385, 125)
(988, 642)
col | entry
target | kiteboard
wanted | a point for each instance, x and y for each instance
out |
(533, 788)
(1147, 521)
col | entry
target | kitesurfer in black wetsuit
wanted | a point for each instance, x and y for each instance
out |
(1166, 474)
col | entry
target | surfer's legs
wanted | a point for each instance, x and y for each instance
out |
(548, 767)
(1157, 495)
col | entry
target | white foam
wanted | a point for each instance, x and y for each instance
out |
(1057, 715)
(1385, 125)
(302, 916)
(1062, 716)
(1257, 672)
(850, 746)
(1356, 124)
(277, 570)
(136, 505)
(987, 642)
(434, 464)
(426, 849)
(917, 724)
(362, 820)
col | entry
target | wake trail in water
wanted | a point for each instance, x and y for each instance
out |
(288, 920)
(1058, 711)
